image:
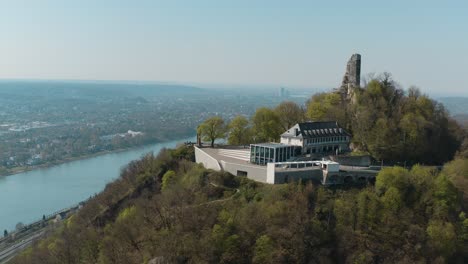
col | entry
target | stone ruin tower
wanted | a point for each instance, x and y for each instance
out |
(352, 77)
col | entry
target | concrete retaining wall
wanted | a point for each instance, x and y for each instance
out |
(350, 177)
(207, 161)
(283, 176)
(255, 173)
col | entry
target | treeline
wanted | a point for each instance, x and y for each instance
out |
(170, 210)
(266, 125)
(390, 124)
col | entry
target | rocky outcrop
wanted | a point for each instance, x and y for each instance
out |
(352, 77)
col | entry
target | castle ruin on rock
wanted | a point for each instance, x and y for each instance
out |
(352, 77)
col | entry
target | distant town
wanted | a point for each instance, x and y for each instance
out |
(45, 123)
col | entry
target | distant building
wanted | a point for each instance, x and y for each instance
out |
(283, 92)
(134, 133)
(318, 138)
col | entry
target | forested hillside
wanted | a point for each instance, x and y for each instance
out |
(391, 123)
(168, 208)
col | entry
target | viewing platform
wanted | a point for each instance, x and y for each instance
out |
(237, 161)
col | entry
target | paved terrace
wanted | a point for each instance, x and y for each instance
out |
(240, 155)
(232, 155)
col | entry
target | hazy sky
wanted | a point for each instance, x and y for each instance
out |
(287, 43)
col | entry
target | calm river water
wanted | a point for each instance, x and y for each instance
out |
(25, 197)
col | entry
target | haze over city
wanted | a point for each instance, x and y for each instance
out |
(215, 43)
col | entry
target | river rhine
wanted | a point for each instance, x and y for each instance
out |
(25, 197)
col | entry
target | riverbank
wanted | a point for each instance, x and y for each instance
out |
(28, 196)
(18, 170)
(17, 240)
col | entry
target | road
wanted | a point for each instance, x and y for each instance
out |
(8, 253)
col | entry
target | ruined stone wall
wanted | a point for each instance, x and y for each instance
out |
(352, 77)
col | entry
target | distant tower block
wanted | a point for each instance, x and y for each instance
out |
(352, 77)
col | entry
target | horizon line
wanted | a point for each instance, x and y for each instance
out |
(135, 81)
(205, 85)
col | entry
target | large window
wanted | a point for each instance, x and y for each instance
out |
(261, 155)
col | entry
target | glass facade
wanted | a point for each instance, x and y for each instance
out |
(261, 154)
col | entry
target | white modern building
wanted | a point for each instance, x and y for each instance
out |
(236, 161)
(288, 161)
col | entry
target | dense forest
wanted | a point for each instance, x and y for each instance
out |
(169, 209)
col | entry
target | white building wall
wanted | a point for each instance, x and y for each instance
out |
(207, 161)
(296, 142)
(270, 178)
(256, 173)
(292, 141)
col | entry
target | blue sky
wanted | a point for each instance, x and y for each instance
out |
(277, 43)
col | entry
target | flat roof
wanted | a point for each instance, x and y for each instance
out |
(273, 145)
(236, 156)
(240, 155)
